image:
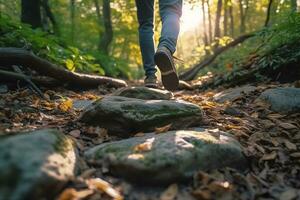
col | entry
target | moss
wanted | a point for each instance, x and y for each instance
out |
(62, 144)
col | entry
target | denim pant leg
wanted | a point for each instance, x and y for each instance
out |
(145, 13)
(170, 12)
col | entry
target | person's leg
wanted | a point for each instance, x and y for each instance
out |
(145, 13)
(170, 12)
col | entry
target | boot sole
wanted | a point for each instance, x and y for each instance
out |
(165, 64)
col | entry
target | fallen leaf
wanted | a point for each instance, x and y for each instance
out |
(104, 186)
(290, 146)
(170, 193)
(270, 156)
(163, 129)
(287, 126)
(75, 133)
(139, 134)
(66, 105)
(146, 146)
(72, 194)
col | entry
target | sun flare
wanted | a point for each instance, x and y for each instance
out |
(191, 17)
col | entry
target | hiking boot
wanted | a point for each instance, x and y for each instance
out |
(151, 81)
(164, 60)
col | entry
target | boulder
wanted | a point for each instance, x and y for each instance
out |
(125, 116)
(35, 165)
(144, 93)
(169, 157)
(233, 93)
(282, 100)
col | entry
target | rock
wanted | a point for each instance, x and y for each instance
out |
(35, 165)
(283, 100)
(121, 115)
(81, 104)
(144, 93)
(233, 93)
(3, 89)
(169, 157)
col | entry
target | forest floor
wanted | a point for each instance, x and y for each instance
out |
(270, 140)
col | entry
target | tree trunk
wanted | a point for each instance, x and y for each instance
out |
(218, 17)
(205, 39)
(31, 13)
(268, 13)
(50, 16)
(225, 21)
(107, 36)
(231, 19)
(72, 16)
(294, 5)
(209, 23)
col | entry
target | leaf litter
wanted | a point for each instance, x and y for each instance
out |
(270, 140)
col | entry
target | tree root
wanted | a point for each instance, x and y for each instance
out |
(192, 73)
(18, 56)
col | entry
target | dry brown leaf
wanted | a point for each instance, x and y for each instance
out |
(163, 129)
(141, 134)
(146, 146)
(287, 126)
(170, 193)
(104, 186)
(72, 194)
(66, 105)
(290, 146)
(75, 133)
(270, 156)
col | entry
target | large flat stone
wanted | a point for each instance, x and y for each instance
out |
(169, 157)
(125, 116)
(233, 93)
(144, 93)
(35, 165)
(283, 100)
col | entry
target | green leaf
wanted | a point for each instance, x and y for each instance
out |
(70, 65)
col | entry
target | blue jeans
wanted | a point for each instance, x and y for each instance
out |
(170, 13)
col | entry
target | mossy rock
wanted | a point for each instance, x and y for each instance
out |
(283, 100)
(169, 157)
(144, 93)
(35, 165)
(127, 116)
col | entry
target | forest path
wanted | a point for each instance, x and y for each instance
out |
(269, 139)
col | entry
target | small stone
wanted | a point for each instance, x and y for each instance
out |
(233, 93)
(169, 157)
(3, 89)
(144, 93)
(282, 100)
(128, 116)
(35, 165)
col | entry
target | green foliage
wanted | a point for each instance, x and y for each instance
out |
(284, 31)
(15, 34)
